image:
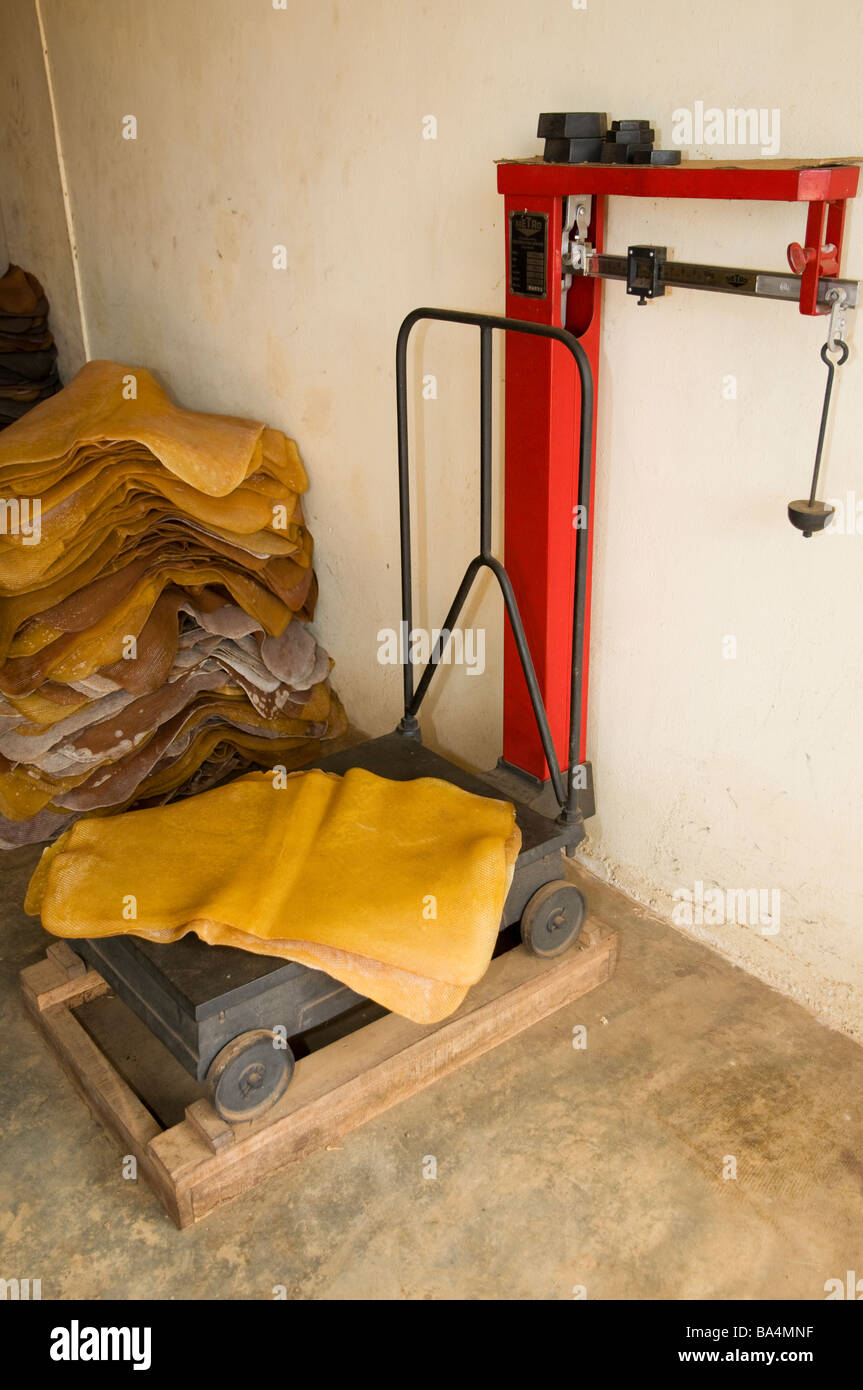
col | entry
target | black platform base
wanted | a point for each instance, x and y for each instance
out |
(197, 998)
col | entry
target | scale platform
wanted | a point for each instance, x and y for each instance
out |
(197, 998)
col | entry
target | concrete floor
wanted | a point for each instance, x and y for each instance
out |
(556, 1167)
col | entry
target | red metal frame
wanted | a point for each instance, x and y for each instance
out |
(821, 254)
(542, 395)
(752, 180)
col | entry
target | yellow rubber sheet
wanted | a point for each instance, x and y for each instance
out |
(394, 888)
(214, 453)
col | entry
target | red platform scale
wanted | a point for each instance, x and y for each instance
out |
(542, 393)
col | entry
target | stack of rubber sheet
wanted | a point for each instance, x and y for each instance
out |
(395, 888)
(28, 357)
(155, 582)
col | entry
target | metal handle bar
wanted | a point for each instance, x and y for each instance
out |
(486, 323)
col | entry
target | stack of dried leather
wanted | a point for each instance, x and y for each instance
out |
(28, 357)
(395, 888)
(152, 600)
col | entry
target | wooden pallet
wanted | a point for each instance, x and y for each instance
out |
(201, 1162)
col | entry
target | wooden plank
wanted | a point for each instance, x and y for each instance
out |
(68, 960)
(360, 1076)
(209, 1126)
(45, 984)
(202, 1162)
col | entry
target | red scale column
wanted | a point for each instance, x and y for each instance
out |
(542, 415)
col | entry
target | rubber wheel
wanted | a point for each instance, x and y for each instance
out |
(249, 1075)
(553, 919)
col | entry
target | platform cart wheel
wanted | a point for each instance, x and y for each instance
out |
(249, 1075)
(553, 918)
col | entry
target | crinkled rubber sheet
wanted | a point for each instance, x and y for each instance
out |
(395, 888)
(157, 619)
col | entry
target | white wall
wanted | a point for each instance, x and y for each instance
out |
(258, 126)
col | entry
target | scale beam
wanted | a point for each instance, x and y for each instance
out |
(762, 284)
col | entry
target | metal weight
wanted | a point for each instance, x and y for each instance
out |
(807, 514)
